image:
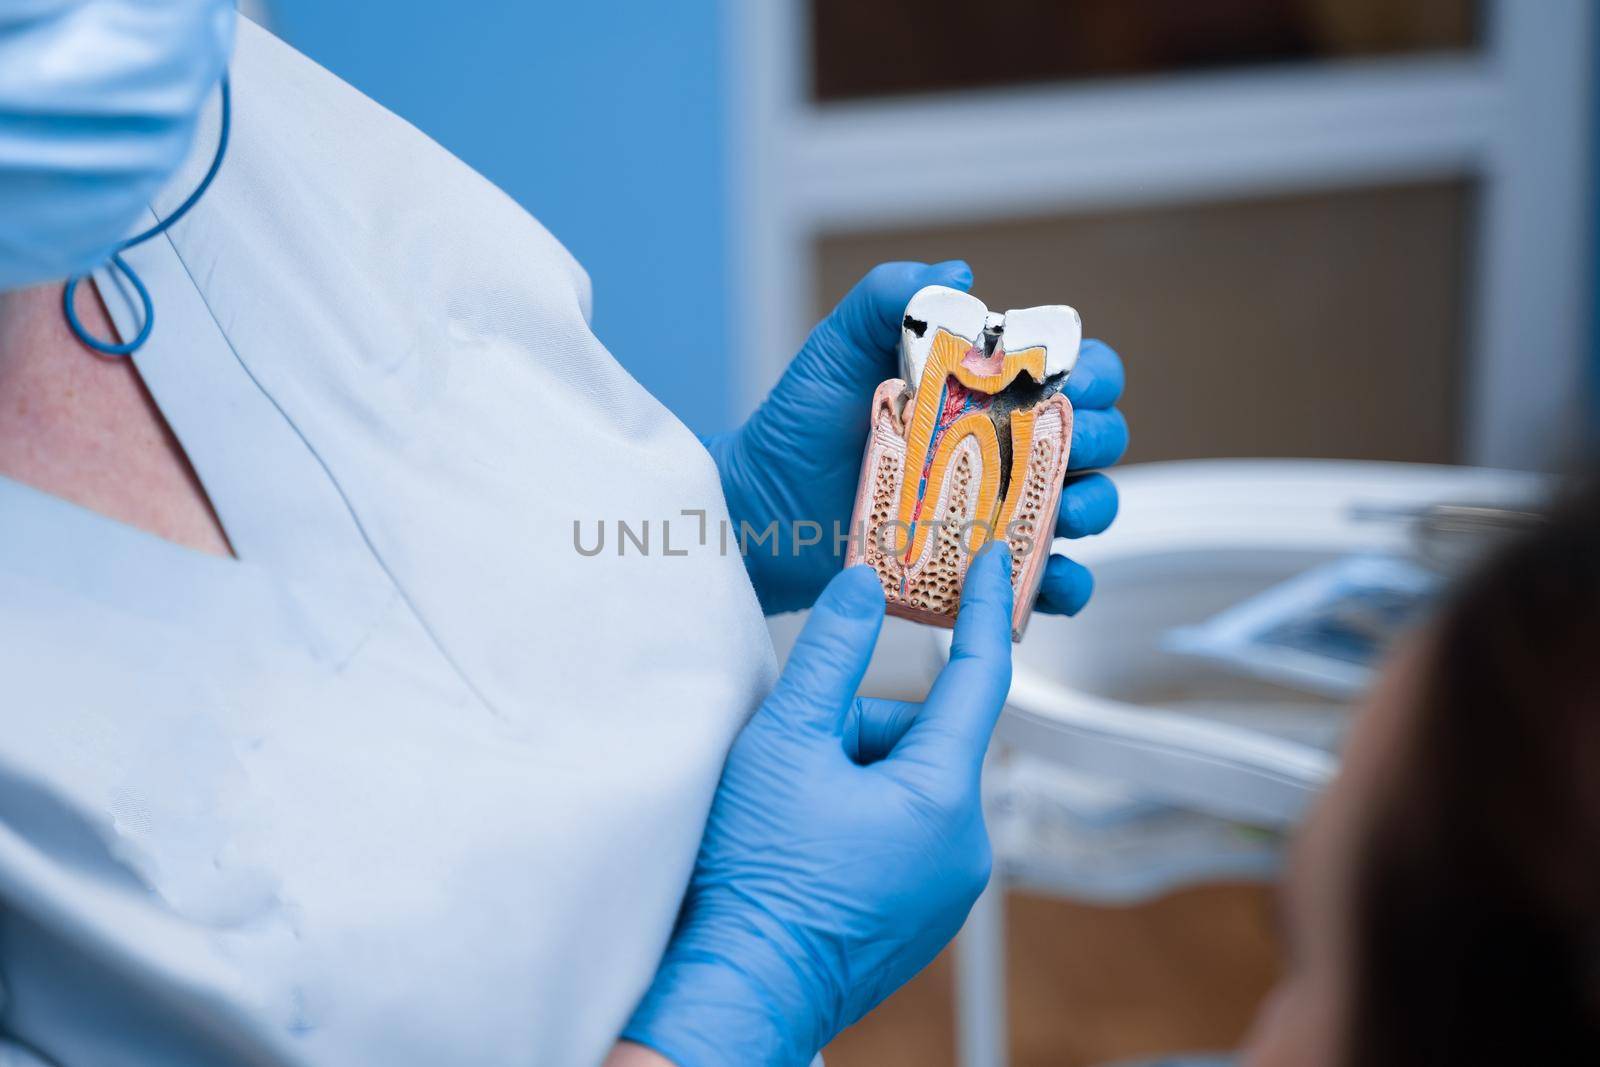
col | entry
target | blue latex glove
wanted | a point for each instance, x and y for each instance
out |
(846, 841)
(799, 455)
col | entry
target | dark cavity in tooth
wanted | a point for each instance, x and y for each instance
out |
(1022, 394)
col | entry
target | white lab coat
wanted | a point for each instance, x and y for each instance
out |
(411, 781)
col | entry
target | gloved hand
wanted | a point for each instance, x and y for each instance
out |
(846, 841)
(798, 457)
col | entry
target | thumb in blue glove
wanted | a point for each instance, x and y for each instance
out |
(846, 842)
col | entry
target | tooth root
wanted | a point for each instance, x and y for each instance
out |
(934, 308)
(1054, 327)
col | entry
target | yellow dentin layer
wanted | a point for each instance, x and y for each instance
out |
(944, 360)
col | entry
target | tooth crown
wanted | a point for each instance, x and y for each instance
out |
(1054, 327)
(936, 309)
(932, 309)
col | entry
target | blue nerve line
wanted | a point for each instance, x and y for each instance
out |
(68, 294)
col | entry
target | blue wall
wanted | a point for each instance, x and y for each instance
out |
(604, 118)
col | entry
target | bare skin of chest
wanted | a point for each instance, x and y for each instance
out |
(83, 427)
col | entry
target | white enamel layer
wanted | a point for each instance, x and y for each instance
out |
(1056, 327)
(941, 308)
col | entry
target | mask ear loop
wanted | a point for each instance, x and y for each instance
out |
(69, 293)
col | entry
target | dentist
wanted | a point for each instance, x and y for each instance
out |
(321, 744)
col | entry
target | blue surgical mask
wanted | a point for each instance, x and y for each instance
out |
(98, 105)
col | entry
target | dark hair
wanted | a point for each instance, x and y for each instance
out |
(1477, 914)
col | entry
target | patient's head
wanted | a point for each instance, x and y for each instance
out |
(1443, 905)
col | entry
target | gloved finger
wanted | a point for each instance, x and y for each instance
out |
(1088, 504)
(827, 661)
(856, 343)
(961, 710)
(872, 727)
(1096, 381)
(1099, 438)
(1065, 587)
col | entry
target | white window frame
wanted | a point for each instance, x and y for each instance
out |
(1514, 118)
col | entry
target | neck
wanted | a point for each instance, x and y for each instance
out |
(41, 383)
(27, 333)
(83, 426)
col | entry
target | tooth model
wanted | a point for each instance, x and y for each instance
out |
(969, 444)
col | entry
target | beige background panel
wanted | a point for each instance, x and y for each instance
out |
(1326, 325)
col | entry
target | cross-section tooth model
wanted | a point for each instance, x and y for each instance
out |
(969, 444)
